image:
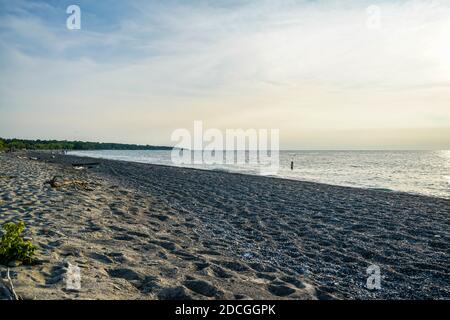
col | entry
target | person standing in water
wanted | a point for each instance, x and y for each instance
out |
(292, 164)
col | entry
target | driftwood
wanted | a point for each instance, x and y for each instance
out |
(56, 182)
(7, 287)
(88, 165)
(11, 286)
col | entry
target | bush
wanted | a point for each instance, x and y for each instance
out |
(12, 245)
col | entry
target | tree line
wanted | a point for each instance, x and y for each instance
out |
(20, 144)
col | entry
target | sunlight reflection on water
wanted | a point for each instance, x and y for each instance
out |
(420, 172)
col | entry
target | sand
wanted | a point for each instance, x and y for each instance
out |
(140, 231)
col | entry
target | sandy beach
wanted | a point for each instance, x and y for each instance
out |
(141, 231)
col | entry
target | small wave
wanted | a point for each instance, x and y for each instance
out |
(220, 170)
(382, 189)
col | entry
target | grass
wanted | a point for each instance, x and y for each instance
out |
(13, 247)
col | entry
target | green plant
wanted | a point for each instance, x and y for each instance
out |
(13, 247)
(2, 144)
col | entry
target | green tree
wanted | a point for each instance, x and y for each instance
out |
(18, 144)
(3, 145)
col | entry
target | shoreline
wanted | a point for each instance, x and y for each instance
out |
(161, 231)
(377, 189)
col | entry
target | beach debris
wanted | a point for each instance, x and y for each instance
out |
(58, 182)
(85, 165)
(11, 285)
(73, 277)
(53, 183)
(7, 287)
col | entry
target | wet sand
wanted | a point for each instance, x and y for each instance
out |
(141, 231)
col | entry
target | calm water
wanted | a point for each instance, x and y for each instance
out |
(420, 172)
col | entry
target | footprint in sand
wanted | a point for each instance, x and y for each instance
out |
(279, 289)
(100, 257)
(233, 265)
(220, 273)
(202, 287)
(173, 293)
(150, 284)
(124, 273)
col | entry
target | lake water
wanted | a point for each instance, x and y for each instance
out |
(419, 172)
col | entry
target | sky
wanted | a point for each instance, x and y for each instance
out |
(327, 74)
